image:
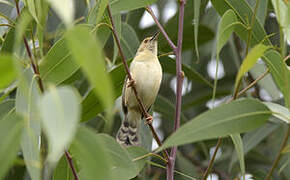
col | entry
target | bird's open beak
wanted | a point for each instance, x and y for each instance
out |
(154, 37)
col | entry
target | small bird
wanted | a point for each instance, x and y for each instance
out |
(146, 72)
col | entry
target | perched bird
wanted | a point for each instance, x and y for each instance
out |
(147, 74)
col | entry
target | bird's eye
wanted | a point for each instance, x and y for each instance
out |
(146, 40)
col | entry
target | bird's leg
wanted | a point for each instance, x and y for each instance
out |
(130, 83)
(149, 119)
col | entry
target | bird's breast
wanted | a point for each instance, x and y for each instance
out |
(147, 75)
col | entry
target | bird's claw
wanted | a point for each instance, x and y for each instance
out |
(130, 83)
(149, 119)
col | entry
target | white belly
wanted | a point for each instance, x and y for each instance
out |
(147, 76)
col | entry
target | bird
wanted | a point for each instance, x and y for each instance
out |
(146, 73)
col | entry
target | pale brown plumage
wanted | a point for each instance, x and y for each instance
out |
(147, 74)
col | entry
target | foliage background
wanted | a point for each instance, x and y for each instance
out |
(79, 105)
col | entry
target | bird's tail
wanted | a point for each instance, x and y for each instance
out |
(128, 134)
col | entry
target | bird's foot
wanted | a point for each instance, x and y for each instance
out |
(130, 83)
(149, 119)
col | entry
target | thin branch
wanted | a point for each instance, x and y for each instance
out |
(141, 105)
(180, 77)
(41, 87)
(171, 44)
(284, 142)
(212, 159)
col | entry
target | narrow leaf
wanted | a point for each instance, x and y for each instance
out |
(250, 61)
(237, 140)
(279, 111)
(235, 117)
(196, 24)
(7, 72)
(58, 64)
(128, 5)
(27, 97)
(87, 52)
(64, 9)
(10, 134)
(244, 12)
(91, 155)
(60, 113)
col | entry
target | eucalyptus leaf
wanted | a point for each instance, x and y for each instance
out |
(128, 5)
(235, 117)
(7, 71)
(91, 156)
(279, 111)
(237, 140)
(60, 111)
(86, 51)
(10, 135)
(65, 10)
(250, 60)
(27, 97)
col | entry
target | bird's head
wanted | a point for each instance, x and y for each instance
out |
(149, 44)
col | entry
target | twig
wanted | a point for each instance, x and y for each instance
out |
(204, 177)
(180, 77)
(171, 44)
(144, 112)
(284, 142)
(41, 87)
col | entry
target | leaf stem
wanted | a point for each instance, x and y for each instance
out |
(142, 107)
(41, 87)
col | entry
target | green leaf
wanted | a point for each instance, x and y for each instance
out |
(10, 134)
(279, 111)
(58, 64)
(236, 117)
(91, 103)
(196, 24)
(91, 156)
(250, 60)
(244, 13)
(6, 107)
(282, 11)
(237, 140)
(136, 152)
(65, 10)
(7, 72)
(129, 41)
(8, 44)
(27, 97)
(60, 111)
(102, 7)
(31, 7)
(228, 23)
(128, 5)
(87, 52)
(253, 138)
(122, 166)
(280, 73)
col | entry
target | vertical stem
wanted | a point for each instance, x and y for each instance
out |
(41, 87)
(180, 77)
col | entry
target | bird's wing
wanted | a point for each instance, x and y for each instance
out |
(124, 107)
